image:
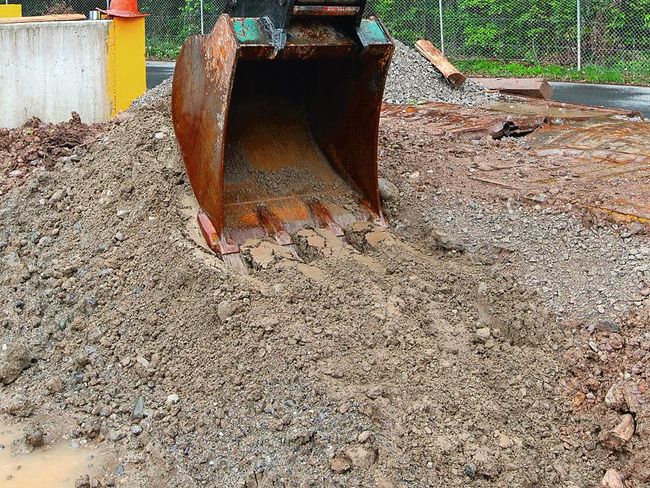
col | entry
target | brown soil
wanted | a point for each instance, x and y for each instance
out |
(37, 144)
(390, 360)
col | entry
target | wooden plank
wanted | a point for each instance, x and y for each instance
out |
(527, 87)
(440, 62)
(42, 18)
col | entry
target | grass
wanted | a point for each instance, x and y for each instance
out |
(630, 73)
(162, 49)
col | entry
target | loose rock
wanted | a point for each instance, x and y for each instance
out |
(340, 463)
(617, 437)
(14, 358)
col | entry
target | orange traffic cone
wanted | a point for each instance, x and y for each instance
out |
(123, 8)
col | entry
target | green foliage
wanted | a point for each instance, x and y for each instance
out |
(162, 48)
(409, 20)
(534, 31)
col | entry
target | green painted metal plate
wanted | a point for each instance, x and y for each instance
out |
(248, 30)
(372, 32)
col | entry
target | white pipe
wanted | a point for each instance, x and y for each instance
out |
(442, 37)
(202, 30)
(579, 37)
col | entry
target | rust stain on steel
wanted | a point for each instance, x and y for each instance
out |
(324, 218)
(324, 10)
(594, 158)
(273, 225)
(203, 77)
(460, 121)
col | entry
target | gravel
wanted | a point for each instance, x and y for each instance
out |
(413, 79)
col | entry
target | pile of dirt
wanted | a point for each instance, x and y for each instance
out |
(37, 144)
(371, 363)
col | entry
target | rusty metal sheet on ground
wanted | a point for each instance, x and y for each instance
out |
(591, 157)
(606, 165)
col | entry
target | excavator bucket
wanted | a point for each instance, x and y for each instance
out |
(276, 112)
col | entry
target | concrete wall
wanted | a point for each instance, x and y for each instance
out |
(50, 69)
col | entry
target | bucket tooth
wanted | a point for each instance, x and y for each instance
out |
(219, 244)
(324, 217)
(273, 225)
(276, 112)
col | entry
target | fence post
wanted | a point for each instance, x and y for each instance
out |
(202, 29)
(579, 36)
(442, 36)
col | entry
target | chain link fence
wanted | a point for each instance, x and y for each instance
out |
(575, 33)
(562, 32)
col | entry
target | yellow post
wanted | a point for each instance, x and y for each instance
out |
(11, 10)
(127, 71)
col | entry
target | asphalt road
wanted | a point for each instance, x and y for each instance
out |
(157, 71)
(614, 96)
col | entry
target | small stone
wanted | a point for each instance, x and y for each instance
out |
(505, 442)
(160, 135)
(483, 334)
(361, 457)
(607, 325)
(144, 362)
(172, 399)
(136, 429)
(122, 213)
(364, 436)
(482, 288)
(54, 385)
(340, 463)
(469, 470)
(614, 439)
(612, 479)
(116, 435)
(119, 236)
(34, 435)
(388, 191)
(624, 396)
(14, 358)
(226, 309)
(57, 196)
(138, 408)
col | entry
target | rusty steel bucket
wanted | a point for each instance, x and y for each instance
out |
(278, 126)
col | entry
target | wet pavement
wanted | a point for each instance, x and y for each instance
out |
(157, 71)
(612, 96)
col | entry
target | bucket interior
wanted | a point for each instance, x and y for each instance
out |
(273, 157)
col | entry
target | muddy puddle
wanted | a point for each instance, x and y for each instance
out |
(54, 465)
